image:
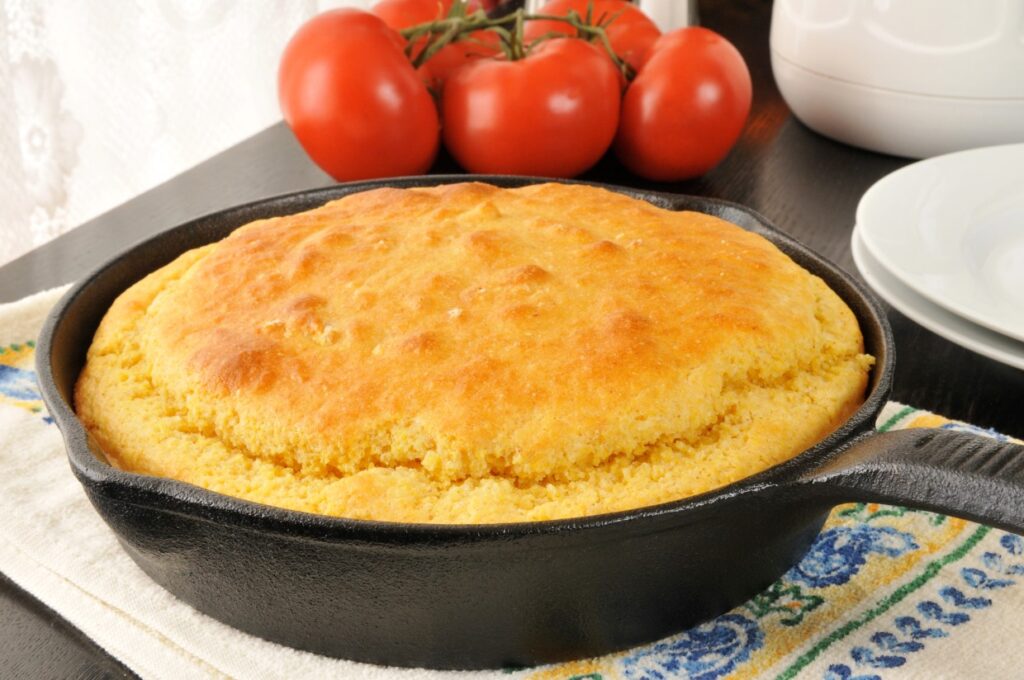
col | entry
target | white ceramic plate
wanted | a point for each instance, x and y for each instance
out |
(952, 229)
(933, 317)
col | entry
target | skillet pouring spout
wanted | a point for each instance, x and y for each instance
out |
(955, 473)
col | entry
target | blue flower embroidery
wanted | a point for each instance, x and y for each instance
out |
(706, 652)
(842, 672)
(18, 384)
(839, 553)
(1012, 544)
(974, 429)
(893, 648)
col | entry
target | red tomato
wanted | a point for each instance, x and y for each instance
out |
(399, 14)
(354, 101)
(450, 58)
(686, 107)
(631, 34)
(553, 113)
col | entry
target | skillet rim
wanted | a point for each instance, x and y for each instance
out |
(182, 498)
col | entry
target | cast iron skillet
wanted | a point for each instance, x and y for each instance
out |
(510, 594)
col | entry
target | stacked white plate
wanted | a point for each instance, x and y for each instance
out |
(942, 241)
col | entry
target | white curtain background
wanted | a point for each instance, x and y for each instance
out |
(100, 101)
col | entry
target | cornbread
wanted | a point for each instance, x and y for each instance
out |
(470, 354)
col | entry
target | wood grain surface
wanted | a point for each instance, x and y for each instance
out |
(807, 185)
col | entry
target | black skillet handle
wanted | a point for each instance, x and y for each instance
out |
(955, 473)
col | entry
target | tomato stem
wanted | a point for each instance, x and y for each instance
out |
(458, 25)
(518, 52)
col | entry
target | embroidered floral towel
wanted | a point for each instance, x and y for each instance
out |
(884, 592)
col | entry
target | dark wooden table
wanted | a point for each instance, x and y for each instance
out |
(808, 185)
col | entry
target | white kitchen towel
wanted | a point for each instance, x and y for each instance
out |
(883, 593)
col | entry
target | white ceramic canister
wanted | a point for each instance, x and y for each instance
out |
(913, 78)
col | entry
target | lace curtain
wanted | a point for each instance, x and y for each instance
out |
(100, 101)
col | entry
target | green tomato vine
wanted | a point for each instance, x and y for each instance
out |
(459, 24)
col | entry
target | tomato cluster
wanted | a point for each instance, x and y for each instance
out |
(372, 94)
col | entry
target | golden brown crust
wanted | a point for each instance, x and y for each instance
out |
(466, 353)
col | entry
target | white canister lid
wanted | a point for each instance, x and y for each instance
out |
(950, 48)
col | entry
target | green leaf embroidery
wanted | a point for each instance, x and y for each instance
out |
(787, 600)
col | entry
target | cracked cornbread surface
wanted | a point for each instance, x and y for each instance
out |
(470, 354)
